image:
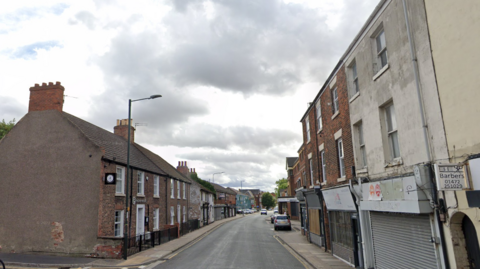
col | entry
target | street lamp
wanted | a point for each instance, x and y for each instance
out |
(126, 233)
(213, 176)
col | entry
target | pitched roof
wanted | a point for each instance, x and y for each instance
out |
(114, 145)
(219, 188)
(291, 161)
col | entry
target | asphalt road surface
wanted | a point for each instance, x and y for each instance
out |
(246, 243)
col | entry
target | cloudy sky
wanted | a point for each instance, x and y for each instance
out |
(235, 75)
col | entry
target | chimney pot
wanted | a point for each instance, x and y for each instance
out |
(37, 85)
(58, 83)
(44, 84)
(50, 83)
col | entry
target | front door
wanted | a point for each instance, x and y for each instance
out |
(140, 219)
(471, 241)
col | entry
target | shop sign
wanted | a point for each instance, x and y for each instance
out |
(339, 199)
(451, 177)
(374, 192)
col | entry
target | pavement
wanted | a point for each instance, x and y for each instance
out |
(312, 255)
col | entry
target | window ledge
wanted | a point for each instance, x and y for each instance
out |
(141, 195)
(355, 96)
(395, 162)
(156, 196)
(341, 179)
(323, 183)
(336, 114)
(319, 130)
(380, 72)
(120, 194)
(362, 171)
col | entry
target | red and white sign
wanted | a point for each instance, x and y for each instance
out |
(375, 192)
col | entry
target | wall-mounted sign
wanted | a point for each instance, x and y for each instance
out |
(451, 177)
(339, 199)
(110, 178)
(374, 191)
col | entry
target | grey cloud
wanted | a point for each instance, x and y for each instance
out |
(87, 18)
(11, 109)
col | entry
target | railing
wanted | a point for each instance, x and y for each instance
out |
(189, 226)
(149, 240)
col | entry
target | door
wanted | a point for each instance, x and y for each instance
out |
(357, 242)
(471, 241)
(140, 219)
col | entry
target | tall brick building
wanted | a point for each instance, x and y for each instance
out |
(66, 184)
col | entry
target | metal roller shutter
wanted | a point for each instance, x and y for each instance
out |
(402, 241)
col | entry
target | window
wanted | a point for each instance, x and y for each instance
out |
(120, 185)
(362, 162)
(118, 229)
(341, 162)
(391, 122)
(311, 171)
(184, 215)
(172, 215)
(307, 124)
(335, 100)
(140, 185)
(178, 190)
(156, 185)
(324, 167)
(184, 192)
(381, 43)
(172, 190)
(355, 78)
(156, 212)
(178, 213)
(319, 116)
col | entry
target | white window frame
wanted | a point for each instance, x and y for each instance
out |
(172, 215)
(324, 167)
(140, 183)
(355, 86)
(156, 214)
(120, 180)
(178, 190)
(341, 158)
(307, 125)
(310, 163)
(178, 213)
(184, 192)
(118, 223)
(319, 115)
(156, 186)
(335, 104)
(184, 215)
(172, 188)
(392, 131)
(361, 146)
(381, 49)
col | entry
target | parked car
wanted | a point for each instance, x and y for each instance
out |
(283, 222)
(239, 211)
(272, 218)
(263, 212)
(248, 211)
(275, 211)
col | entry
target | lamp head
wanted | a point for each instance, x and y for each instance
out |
(155, 96)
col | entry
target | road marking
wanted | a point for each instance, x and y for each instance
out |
(300, 259)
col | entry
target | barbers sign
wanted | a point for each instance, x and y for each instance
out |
(451, 177)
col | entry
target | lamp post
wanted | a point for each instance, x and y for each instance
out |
(126, 233)
(213, 176)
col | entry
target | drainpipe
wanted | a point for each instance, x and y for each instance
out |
(166, 200)
(443, 261)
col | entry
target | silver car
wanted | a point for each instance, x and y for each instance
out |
(283, 222)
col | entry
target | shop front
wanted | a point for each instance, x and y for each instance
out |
(302, 209)
(290, 206)
(316, 231)
(343, 224)
(402, 224)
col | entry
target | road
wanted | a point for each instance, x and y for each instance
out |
(248, 243)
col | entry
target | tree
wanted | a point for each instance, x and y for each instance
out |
(204, 183)
(281, 184)
(267, 200)
(6, 127)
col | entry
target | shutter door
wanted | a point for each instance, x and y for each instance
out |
(402, 241)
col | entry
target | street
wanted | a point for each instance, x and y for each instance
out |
(245, 243)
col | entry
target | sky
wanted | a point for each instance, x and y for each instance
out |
(235, 76)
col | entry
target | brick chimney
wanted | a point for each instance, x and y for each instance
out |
(122, 129)
(183, 168)
(46, 97)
